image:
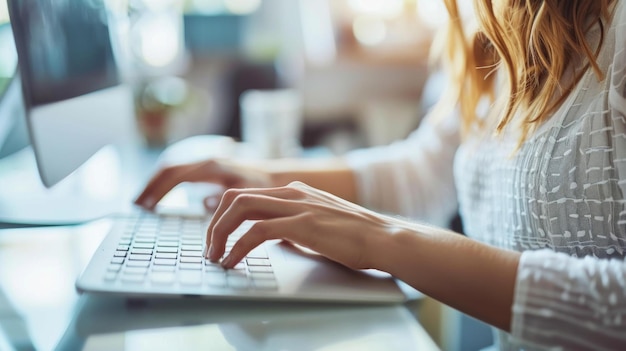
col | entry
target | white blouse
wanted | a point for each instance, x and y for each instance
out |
(560, 199)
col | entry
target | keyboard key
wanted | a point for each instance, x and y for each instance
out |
(258, 262)
(114, 267)
(239, 267)
(191, 253)
(212, 267)
(262, 276)
(139, 257)
(163, 268)
(167, 249)
(260, 269)
(138, 264)
(192, 242)
(117, 260)
(191, 236)
(239, 274)
(164, 262)
(123, 248)
(191, 260)
(170, 256)
(110, 276)
(119, 254)
(169, 232)
(169, 235)
(141, 251)
(191, 247)
(258, 252)
(190, 266)
(163, 277)
(143, 246)
(167, 243)
(136, 270)
(145, 240)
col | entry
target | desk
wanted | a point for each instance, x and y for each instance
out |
(40, 309)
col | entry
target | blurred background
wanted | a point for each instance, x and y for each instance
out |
(358, 67)
(356, 73)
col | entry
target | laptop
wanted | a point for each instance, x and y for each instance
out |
(155, 255)
(69, 56)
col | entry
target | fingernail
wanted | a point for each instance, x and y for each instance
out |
(211, 251)
(226, 261)
(204, 252)
(148, 202)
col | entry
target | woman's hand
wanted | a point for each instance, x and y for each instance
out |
(300, 214)
(449, 267)
(225, 173)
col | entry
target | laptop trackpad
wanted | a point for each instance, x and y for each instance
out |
(308, 273)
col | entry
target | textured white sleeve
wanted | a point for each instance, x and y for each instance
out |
(580, 303)
(570, 302)
(413, 177)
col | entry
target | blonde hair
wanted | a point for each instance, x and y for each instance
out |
(532, 42)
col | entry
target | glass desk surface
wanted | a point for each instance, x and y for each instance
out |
(40, 309)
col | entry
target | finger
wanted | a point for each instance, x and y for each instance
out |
(246, 207)
(230, 195)
(167, 178)
(322, 196)
(261, 231)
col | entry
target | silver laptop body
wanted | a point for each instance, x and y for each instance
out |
(161, 256)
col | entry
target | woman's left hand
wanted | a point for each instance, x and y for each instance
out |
(300, 214)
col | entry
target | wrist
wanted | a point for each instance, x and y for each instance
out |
(403, 246)
(278, 178)
(387, 249)
(279, 172)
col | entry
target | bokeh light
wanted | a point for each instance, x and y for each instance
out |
(369, 31)
(242, 7)
(378, 8)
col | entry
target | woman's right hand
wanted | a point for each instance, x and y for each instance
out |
(226, 173)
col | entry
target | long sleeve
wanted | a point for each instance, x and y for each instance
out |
(560, 198)
(570, 302)
(580, 303)
(413, 177)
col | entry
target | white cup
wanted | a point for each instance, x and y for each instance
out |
(271, 122)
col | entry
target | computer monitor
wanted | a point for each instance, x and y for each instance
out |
(12, 130)
(13, 133)
(75, 100)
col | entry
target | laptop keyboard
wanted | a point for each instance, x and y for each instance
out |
(167, 250)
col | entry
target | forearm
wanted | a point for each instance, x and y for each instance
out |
(474, 278)
(330, 175)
